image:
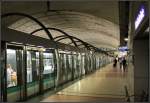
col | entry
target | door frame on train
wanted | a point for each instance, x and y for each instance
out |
(57, 66)
(83, 57)
(69, 65)
(41, 51)
(29, 49)
(63, 62)
(19, 67)
(3, 74)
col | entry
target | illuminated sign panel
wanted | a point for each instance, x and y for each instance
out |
(140, 17)
(123, 48)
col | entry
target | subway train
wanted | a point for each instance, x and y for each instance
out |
(32, 65)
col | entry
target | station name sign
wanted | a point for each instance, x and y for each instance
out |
(123, 48)
(140, 17)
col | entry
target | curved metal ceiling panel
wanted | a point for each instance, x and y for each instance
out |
(96, 31)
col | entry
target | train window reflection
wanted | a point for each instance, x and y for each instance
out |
(32, 66)
(11, 68)
(70, 61)
(29, 67)
(37, 63)
(48, 63)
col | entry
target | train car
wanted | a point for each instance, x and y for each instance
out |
(32, 65)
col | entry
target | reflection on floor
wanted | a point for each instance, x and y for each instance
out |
(106, 84)
(75, 98)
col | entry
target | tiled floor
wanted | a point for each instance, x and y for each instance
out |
(75, 98)
(106, 84)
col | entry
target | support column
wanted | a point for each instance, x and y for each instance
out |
(141, 68)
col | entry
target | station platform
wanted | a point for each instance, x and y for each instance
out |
(106, 84)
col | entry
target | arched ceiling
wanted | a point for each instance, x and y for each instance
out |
(89, 27)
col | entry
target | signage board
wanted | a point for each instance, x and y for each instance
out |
(123, 48)
(140, 17)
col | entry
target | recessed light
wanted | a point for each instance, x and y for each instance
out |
(126, 39)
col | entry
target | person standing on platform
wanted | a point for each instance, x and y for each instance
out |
(124, 63)
(115, 62)
(120, 62)
(11, 76)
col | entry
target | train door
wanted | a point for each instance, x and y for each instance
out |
(32, 72)
(2, 73)
(60, 70)
(91, 62)
(74, 66)
(101, 61)
(14, 73)
(88, 63)
(94, 62)
(79, 65)
(65, 67)
(73, 70)
(97, 62)
(48, 72)
(83, 64)
(69, 56)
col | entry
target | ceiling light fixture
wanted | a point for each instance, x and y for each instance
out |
(126, 39)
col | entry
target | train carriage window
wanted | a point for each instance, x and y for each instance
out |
(37, 62)
(70, 61)
(32, 72)
(70, 66)
(79, 64)
(48, 72)
(61, 71)
(65, 65)
(65, 59)
(29, 67)
(83, 64)
(32, 66)
(11, 68)
(48, 63)
(75, 65)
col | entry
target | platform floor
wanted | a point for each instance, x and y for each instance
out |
(106, 84)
